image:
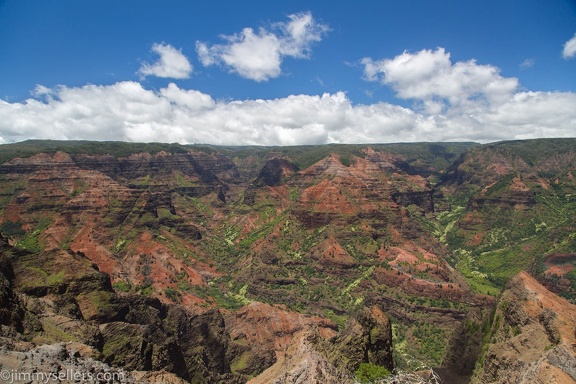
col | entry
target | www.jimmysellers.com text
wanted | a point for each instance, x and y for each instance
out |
(15, 376)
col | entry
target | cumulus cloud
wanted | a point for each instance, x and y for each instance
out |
(569, 51)
(127, 111)
(171, 64)
(258, 55)
(469, 101)
(431, 77)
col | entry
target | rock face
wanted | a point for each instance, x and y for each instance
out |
(533, 337)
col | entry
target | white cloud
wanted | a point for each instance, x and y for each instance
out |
(299, 34)
(171, 64)
(258, 55)
(468, 101)
(255, 56)
(127, 111)
(569, 51)
(528, 63)
(41, 91)
(431, 77)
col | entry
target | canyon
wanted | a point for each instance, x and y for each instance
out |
(206, 264)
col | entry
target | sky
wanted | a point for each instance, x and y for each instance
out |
(287, 72)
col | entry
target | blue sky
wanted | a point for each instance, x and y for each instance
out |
(282, 73)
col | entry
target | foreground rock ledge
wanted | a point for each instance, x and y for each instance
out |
(533, 337)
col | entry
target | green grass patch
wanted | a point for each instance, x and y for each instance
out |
(122, 286)
(240, 363)
(501, 265)
(31, 241)
(338, 319)
(55, 278)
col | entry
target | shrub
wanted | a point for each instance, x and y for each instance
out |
(368, 372)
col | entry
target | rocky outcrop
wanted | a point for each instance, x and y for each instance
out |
(275, 172)
(367, 338)
(422, 199)
(533, 337)
(508, 192)
(312, 358)
(304, 362)
(261, 334)
(273, 326)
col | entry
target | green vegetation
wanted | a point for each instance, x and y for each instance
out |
(53, 333)
(467, 266)
(97, 303)
(240, 363)
(55, 278)
(115, 148)
(31, 241)
(431, 340)
(10, 229)
(173, 295)
(122, 286)
(35, 276)
(533, 151)
(228, 300)
(438, 154)
(366, 274)
(368, 373)
(338, 319)
(422, 341)
(497, 227)
(260, 233)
